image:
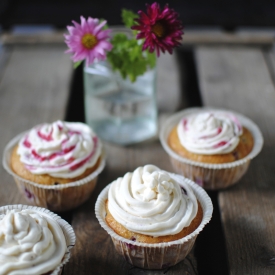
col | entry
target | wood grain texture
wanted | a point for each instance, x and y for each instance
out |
(33, 90)
(222, 38)
(191, 37)
(238, 78)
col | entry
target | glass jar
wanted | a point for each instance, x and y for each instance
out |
(118, 110)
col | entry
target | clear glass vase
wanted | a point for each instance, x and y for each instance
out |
(118, 110)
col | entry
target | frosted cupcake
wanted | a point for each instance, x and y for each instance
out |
(212, 147)
(34, 241)
(153, 216)
(55, 165)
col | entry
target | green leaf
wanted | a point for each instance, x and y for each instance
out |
(128, 18)
(127, 57)
(76, 64)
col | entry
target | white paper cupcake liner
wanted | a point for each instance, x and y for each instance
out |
(65, 227)
(208, 175)
(157, 255)
(60, 197)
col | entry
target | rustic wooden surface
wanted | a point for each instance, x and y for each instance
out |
(240, 79)
(33, 89)
(34, 85)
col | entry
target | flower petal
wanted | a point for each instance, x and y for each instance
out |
(168, 37)
(75, 36)
(99, 27)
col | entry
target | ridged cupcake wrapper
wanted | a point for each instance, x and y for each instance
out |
(208, 175)
(159, 255)
(209, 178)
(60, 197)
(65, 227)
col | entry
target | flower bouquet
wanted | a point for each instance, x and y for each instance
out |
(119, 70)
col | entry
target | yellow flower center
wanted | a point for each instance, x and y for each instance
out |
(159, 29)
(89, 41)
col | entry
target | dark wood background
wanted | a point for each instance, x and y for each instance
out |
(59, 13)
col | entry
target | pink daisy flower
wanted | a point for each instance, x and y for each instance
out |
(161, 29)
(87, 40)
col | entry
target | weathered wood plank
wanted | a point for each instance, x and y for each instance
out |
(33, 89)
(238, 79)
(56, 37)
(223, 38)
(191, 37)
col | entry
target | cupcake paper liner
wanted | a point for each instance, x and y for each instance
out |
(211, 176)
(157, 255)
(60, 197)
(65, 227)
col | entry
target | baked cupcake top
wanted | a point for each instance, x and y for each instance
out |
(151, 201)
(30, 243)
(60, 149)
(209, 132)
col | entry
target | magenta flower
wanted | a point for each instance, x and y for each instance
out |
(161, 29)
(87, 40)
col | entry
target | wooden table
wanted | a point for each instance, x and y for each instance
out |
(38, 84)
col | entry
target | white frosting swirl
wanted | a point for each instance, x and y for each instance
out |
(30, 243)
(61, 149)
(150, 201)
(209, 132)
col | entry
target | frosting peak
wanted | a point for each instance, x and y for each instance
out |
(150, 201)
(157, 185)
(209, 132)
(61, 149)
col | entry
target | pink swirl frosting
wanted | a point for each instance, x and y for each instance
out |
(61, 149)
(210, 132)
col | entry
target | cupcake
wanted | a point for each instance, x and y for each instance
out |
(34, 241)
(213, 147)
(55, 165)
(153, 216)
